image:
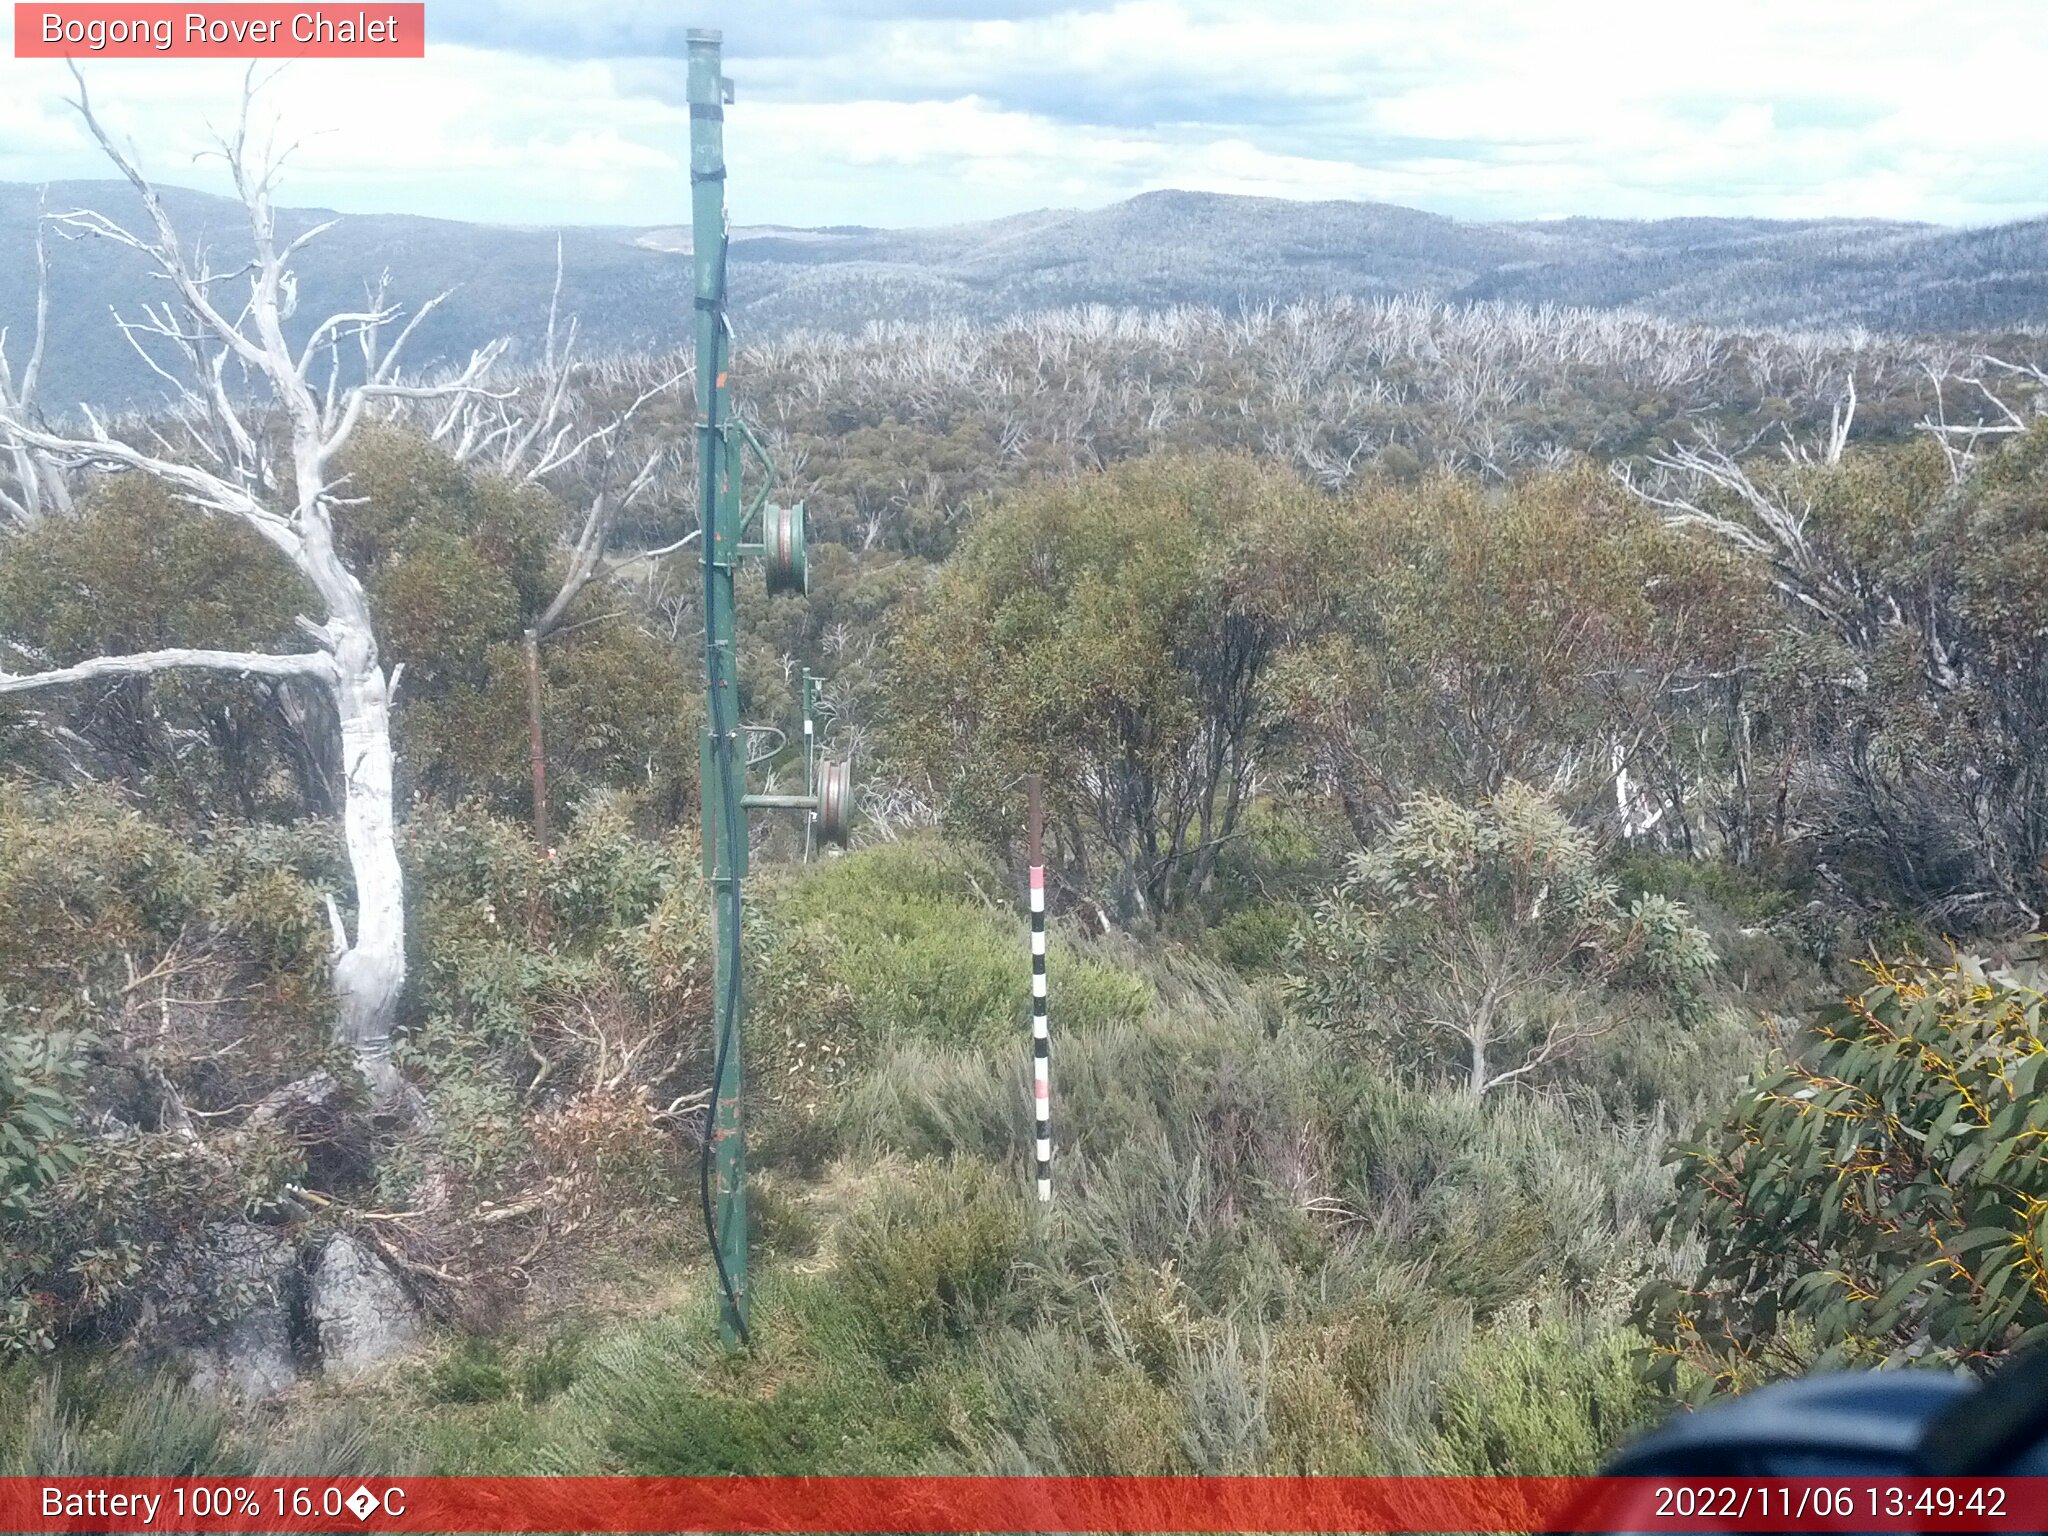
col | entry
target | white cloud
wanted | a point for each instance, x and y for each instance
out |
(856, 111)
(469, 133)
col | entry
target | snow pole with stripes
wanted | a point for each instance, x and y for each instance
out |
(1041, 1031)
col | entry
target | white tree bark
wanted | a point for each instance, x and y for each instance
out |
(369, 975)
(229, 466)
(29, 489)
(241, 663)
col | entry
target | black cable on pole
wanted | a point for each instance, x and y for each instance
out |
(731, 939)
(729, 936)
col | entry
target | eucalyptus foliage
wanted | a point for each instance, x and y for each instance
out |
(35, 1116)
(1878, 1194)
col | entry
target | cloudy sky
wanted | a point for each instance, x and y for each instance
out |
(921, 111)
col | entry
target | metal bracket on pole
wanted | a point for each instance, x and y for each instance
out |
(810, 762)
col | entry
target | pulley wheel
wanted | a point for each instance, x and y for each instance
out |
(835, 800)
(782, 539)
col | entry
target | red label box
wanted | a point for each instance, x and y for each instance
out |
(372, 30)
(948, 1506)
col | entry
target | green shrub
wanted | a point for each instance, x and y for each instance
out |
(38, 1074)
(1492, 1198)
(1188, 1138)
(1254, 940)
(1742, 894)
(553, 1367)
(1187, 1132)
(1489, 943)
(1118, 1423)
(783, 1223)
(1063, 1409)
(87, 887)
(1553, 1401)
(800, 1429)
(930, 1258)
(1127, 628)
(353, 1437)
(929, 1101)
(803, 1042)
(795, 1140)
(1650, 1069)
(1768, 938)
(473, 1372)
(604, 878)
(279, 920)
(1226, 1379)
(108, 1422)
(1316, 1425)
(538, 980)
(918, 958)
(133, 568)
(478, 1125)
(99, 1246)
(912, 936)
(810, 1398)
(1282, 853)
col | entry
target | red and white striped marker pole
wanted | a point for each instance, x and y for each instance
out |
(1041, 1033)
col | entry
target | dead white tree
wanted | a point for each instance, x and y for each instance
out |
(1703, 486)
(264, 451)
(29, 487)
(1961, 441)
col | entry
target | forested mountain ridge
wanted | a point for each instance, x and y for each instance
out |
(1152, 251)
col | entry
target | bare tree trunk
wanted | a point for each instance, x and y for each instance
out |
(1745, 813)
(35, 483)
(1479, 1035)
(370, 973)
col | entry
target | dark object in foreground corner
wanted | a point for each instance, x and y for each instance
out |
(1870, 1423)
(1911, 1424)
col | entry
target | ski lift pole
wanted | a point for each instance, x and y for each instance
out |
(1041, 1029)
(828, 797)
(724, 825)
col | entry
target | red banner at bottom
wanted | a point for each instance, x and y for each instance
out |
(997, 1504)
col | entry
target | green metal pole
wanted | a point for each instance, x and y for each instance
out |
(810, 767)
(724, 826)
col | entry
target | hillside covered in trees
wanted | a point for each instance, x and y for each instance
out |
(1542, 804)
(1152, 252)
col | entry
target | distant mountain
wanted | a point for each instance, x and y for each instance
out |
(630, 287)
(627, 298)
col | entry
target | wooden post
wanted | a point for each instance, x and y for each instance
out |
(1041, 1032)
